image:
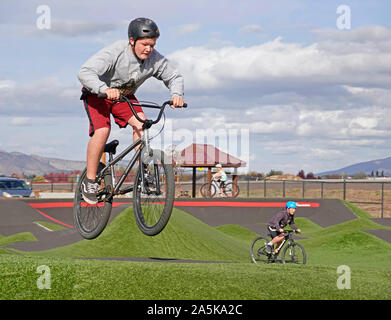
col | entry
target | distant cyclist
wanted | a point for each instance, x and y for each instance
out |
(121, 68)
(221, 177)
(278, 222)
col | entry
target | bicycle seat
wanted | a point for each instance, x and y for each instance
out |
(111, 146)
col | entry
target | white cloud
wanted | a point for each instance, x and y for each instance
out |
(277, 63)
(47, 97)
(364, 123)
(324, 154)
(364, 35)
(250, 29)
(7, 85)
(73, 28)
(77, 28)
(343, 124)
(187, 29)
(20, 121)
(356, 142)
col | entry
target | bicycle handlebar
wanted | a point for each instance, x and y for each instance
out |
(150, 122)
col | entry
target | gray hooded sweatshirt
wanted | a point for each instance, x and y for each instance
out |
(115, 66)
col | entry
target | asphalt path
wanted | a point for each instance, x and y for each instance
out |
(255, 213)
(382, 233)
(21, 215)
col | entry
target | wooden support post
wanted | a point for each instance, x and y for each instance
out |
(194, 183)
(209, 175)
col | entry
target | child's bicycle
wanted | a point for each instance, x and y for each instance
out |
(292, 253)
(153, 188)
(229, 189)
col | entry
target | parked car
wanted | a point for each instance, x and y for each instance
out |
(14, 187)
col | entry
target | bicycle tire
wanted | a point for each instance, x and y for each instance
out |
(91, 220)
(152, 211)
(233, 190)
(208, 188)
(257, 250)
(294, 256)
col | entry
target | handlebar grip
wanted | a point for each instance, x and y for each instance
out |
(104, 96)
(184, 104)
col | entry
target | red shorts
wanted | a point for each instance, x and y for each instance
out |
(99, 110)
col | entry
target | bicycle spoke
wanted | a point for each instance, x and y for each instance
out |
(90, 220)
(294, 254)
(258, 251)
(154, 194)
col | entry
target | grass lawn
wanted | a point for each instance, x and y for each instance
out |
(186, 237)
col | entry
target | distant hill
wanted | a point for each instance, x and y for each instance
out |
(17, 162)
(367, 167)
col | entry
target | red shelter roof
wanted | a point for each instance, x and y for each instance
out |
(206, 155)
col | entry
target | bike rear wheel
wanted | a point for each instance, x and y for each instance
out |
(208, 190)
(153, 202)
(231, 190)
(294, 253)
(90, 220)
(258, 250)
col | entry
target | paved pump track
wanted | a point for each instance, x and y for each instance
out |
(20, 215)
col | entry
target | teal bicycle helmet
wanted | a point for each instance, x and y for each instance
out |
(291, 204)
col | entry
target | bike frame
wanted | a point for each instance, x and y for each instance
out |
(216, 184)
(282, 244)
(113, 161)
(142, 142)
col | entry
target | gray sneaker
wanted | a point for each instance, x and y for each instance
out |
(89, 190)
(269, 249)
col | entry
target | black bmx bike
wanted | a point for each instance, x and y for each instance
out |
(153, 188)
(293, 252)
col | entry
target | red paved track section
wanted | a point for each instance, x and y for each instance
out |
(19, 216)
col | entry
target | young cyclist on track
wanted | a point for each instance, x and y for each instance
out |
(121, 68)
(221, 176)
(278, 222)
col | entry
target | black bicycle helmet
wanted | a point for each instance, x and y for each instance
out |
(143, 28)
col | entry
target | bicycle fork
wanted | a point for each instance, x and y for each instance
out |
(148, 153)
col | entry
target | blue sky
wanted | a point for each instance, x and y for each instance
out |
(311, 96)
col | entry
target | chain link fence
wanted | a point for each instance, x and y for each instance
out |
(371, 196)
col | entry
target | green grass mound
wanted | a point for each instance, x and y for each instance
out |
(18, 237)
(185, 237)
(237, 232)
(346, 243)
(91, 279)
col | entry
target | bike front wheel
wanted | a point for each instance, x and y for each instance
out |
(90, 220)
(153, 195)
(294, 253)
(208, 190)
(258, 252)
(231, 190)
